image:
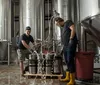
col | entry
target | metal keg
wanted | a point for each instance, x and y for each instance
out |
(57, 65)
(41, 64)
(32, 64)
(49, 62)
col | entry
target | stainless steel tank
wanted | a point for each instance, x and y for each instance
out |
(49, 63)
(32, 64)
(88, 8)
(5, 28)
(91, 25)
(3, 50)
(5, 19)
(57, 65)
(41, 64)
(85, 9)
(28, 15)
(63, 7)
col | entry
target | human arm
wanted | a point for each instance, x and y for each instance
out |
(25, 44)
(32, 40)
(72, 28)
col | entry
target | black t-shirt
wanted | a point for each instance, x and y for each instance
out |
(66, 32)
(26, 38)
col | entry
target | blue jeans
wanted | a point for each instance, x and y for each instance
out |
(69, 54)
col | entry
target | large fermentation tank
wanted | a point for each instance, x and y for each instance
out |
(92, 27)
(28, 15)
(3, 50)
(88, 8)
(5, 28)
(32, 64)
(90, 21)
(85, 10)
(49, 62)
(63, 7)
(57, 65)
(5, 19)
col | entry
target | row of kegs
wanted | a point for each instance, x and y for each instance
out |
(45, 64)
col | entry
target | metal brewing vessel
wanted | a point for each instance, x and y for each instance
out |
(49, 62)
(32, 64)
(57, 65)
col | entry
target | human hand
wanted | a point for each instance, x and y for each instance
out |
(31, 50)
(70, 41)
(70, 44)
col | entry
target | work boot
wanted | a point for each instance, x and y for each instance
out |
(72, 79)
(67, 78)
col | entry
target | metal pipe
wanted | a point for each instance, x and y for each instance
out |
(8, 53)
(38, 23)
(82, 39)
(57, 30)
(42, 21)
(72, 9)
(60, 8)
(85, 41)
(67, 4)
(79, 28)
(42, 18)
(0, 15)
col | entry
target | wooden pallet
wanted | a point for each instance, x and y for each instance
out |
(40, 75)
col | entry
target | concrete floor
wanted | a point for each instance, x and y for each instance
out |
(10, 75)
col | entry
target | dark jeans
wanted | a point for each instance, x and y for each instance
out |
(69, 54)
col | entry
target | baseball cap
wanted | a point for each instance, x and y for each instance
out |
(28, 28)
